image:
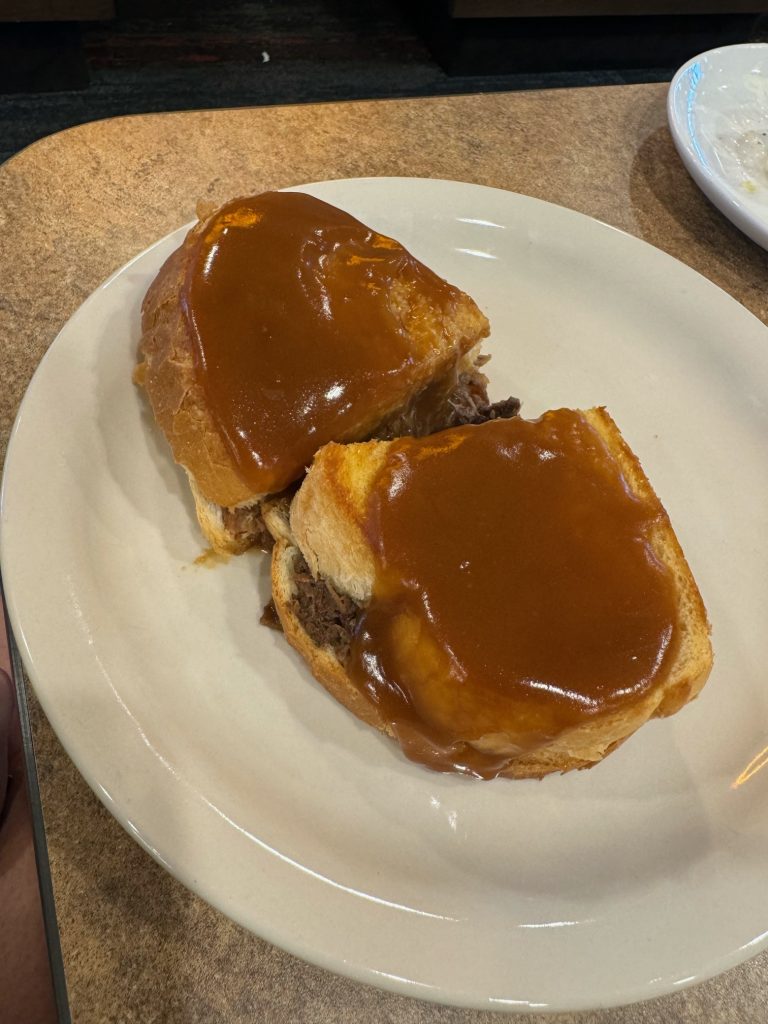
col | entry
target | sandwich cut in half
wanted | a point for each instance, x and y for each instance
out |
(282, 323)
(506, 599)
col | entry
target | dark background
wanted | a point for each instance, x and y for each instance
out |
(152, 55)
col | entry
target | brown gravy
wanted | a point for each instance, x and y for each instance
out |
(517, 592)
(296, 311)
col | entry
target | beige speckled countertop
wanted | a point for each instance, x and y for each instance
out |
(74, 207)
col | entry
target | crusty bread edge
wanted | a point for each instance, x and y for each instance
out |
(166, 371)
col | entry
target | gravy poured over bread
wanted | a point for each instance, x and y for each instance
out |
(522, 604)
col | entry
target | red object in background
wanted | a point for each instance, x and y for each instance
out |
(32, 989)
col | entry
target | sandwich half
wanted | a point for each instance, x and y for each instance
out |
(282, 323)
(506, 599)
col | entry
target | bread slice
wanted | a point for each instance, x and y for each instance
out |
(446, 356)
(326, 544)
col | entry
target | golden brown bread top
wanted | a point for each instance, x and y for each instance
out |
(328, 523)
(356, 328)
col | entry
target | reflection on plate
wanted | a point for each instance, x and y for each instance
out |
(718, 116)
(207, 738)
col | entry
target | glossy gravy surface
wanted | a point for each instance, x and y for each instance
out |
(295, 310)
(516, 595)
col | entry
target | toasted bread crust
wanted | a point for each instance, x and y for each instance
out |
(167, 373)
(327, 519)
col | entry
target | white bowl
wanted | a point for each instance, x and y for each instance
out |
(718, 115)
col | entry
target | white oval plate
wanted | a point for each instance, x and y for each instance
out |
(718, 115)
(208, 739)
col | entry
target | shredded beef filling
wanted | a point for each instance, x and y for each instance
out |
(468, 409)
(442, 406)
(328, 617)
(247, 524)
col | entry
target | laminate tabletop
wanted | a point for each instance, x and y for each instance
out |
(76, 206)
